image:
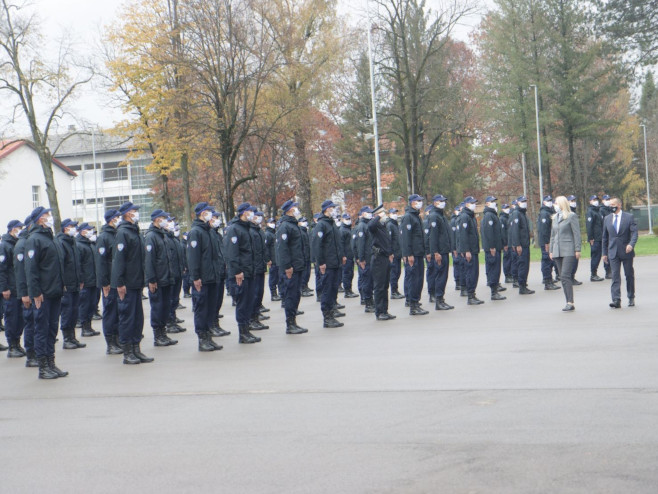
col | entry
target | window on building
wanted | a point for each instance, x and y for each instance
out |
(78, 202)
(76, 168)
(143, 200)
(139, 178)
(36, 196)
(115, 202)
(90, 166)
(93, 200)
(112, 172)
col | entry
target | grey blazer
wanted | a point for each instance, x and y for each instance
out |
(565, 236)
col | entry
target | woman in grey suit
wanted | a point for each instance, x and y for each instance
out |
(565, 246)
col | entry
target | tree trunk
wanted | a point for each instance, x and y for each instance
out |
(51, 190)
(187, 201)
(303, 175)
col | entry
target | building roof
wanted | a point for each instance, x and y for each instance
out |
(79, 144)
(8, 147)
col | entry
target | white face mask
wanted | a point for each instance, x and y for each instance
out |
(506, 211)
(216, 223)
(303, 224)
(394, 216)
(71, 232)
(417, 205)
(92, 238)
(176, 233)
(367, 216)
(171, 226)
(606, 203)
(347, 222)
(493, 206)
(549, 204)
(523, 205)
(118, 222)
(206, 216)
(250, 215)
(572, 204)
(471, 206)
(271, 225)
(136, 217)
(87, 233)
(296, 213)
(382, 217)
(441, 205)
(333, 213)
(50, 222)
(258, 220)
(595, 203)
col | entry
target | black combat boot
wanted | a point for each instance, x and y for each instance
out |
(416, 310)
(129, 358)
(163, 335)
(595, 277)
(473, 300)
(158, 338)
(396, 295)
(330, 321)
(263, 317)
(350, 294)
(256, 325)
(432, 298)
(336, 312)
(245, 335)
(68, 344)
(370, 306)
(549, 285)
(205, 344)
(138, 353)
(515, 283)
(31, 359)
(500, 288)
(55, 369)
(275, 296)
(464, 292)
(262, 309)
(112, 347)
(45, 372)
(495, 295)
(440, 304)
(524, 290)
(292, 328)
(87, 330)
(15, 350)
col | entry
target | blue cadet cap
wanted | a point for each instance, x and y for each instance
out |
(470, 200)
(392, 211)
(68, 222)
(245, 206)
(85, 226)
(14, 224)
(428, 208)
(490, 199)
(259, 213)
(606, 197)
(365, 209)
(28, 220)
(548, 198)
(39, 212)
(127, 206)
(253, 209)
(415, 197)
(346, 216)
(317, 216)
(303, 219)
(158, 213)
(438, 197)
(571, 198)
(514, 202)
(215, 213)
(110, 214)
(592, 197)
(522, 199)
(201, 207)
(287, 205)
(271, 220)
(461, 205)
(504, 206)
(328, 204)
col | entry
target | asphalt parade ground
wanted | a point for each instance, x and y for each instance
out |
(508, 397)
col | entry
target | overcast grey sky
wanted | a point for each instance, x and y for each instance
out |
(82, 19)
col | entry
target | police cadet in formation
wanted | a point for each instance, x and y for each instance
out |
(520, 231)
(573, 204)
(260, 266)
(492, 245)
(507, 255)
(13, 305)
(176, 255)
(128, 280)
(22, 294)
(439, 248)
(72, 275)
(348, 268)
(319, 277)
(239, 254)
(187, 283)
(45, 285)
(159, 277)
(544, 227)
(104, 249)
(468, 246)
(328, 248)
(606, 209)
(292, 265)
(85, 248)
(306, 246)
(270, 246)
(382, 256)
(393, 228)
(362, 247)
(202, 265)
(430, 267)
(456, 258)
(594, 225)
(220, 272)
(413, 254)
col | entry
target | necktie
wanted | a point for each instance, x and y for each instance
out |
(615, 224)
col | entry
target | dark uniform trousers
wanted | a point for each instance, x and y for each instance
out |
(413, 279)
(187, 284)
(87, 304)
(28, 330)
(13, 309)
(514, 262)
(131, 317)
(306, 277)
(292, 292)
(111, 313)
(283, 282)
(471, 273)
(430, 274)
(441, 279)
(219, 301)
(524, 265)
(331, 283)
(45, 326)
(244, 296)
(203, 304)
(507, 262)
(259, 287)
(396, 270)
(457, 269)
(348, 274)
(547, 264)
(364, 282)
(381, 277)
(160, 301)
(69, 309)
(175, 298)
(319, 279)
(492, 267)
(596, 249)
(273, 278)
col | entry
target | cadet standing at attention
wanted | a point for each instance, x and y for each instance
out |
(382, 255)
(492, 245)
(396, 266)
(521, 244)
(469, 248)
(413, 253)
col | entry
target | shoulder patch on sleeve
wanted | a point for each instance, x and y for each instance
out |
(2, 258)
(516, 220)
(193, 244)
(101, 250)
(465, 225)
(30, 253)
(589, 219)
(233, 240)
(19, 257)
(543, 220)
(409, 227)
(284, 236)
(433, 224)
(360, 234)
(427, 230)
(149, 248)
(320, 234)
(490, 222)
(120, 247)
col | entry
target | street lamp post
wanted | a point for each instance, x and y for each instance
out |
(374, 114)
(646, 167)
(541, 180)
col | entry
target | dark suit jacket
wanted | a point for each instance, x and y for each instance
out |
(614, 244)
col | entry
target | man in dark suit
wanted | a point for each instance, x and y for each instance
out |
(619, 239)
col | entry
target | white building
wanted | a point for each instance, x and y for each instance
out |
(23, 187)
(106, 176)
